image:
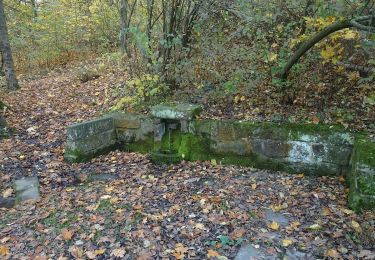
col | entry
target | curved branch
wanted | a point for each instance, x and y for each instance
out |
(337, 26)
(307, 45)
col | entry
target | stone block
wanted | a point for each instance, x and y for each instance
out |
(237, 147)
(176, 112)
(361, 178)
(127, 121)
(223, 131)
(271, 148)
(90, 128)
(27, 188)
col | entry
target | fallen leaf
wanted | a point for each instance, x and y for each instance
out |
(199, 226)
(254, 186)
(314, 227)
(356, 227)
(7, 193)
(76, 251)
(274, 225)
(118, 252)
(4, 250)
(212, 253)
(67, 234)
(332, 253)
(287, 242)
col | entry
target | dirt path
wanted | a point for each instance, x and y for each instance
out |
(188, 211)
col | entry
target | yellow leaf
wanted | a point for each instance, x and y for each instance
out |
(276, 208)
(273, 57)
(67, 234)
(254, 186)
(274, 225)
(100, 251)
(356, 226)
(212, 253)
(314, 227)
(287, 242)
(7, 193)
(214, 162)
(350, 34)
(22, 157)
(301, 175)
(199, 226)
(4, 250)
(328, 53)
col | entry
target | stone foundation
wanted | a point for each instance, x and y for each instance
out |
(310, 149)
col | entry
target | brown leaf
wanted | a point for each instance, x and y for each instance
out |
(118, 252)
(4, 250)
(67, 234)
(212, 253)
(237, 233)
(333, 253)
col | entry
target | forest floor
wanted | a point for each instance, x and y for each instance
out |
(186, 211)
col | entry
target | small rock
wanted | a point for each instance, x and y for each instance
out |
(7, 203)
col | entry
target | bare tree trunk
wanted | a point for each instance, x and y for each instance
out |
(124, 7)
(10, 74)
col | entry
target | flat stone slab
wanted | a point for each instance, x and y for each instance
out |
(177, 112)
(27, 188)
(277, 217)
(7, 203)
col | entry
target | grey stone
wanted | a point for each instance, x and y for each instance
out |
(7, 202)
(237, 147)
(92, 143)
(177, 112)
(127, 121)
(277, 217)
(249, 252)
(90, 128)
(271, 148)
(27, 188)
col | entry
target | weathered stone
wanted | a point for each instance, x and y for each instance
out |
(90, 128)
(223, 131)
(7, 202)
(238, 147)
(277, 217)
(176, 112)
(271, 148)
(27, 188)
(362, 175)
(127, 121)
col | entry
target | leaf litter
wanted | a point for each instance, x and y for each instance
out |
(156, 212)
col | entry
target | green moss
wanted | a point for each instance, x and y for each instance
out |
(365, 150)
(142, 146)
(359, 202)
(78, 156)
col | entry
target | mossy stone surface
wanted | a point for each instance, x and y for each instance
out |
(361, 178)
(176, 111)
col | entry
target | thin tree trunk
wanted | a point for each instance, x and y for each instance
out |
(124, 7)
(10, 74)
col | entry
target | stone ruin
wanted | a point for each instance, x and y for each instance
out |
(173, 133)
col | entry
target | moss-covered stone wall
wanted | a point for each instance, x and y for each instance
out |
(362, 175)
(311, 149)
(88, 139)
